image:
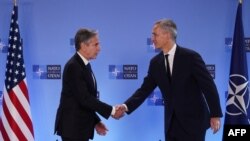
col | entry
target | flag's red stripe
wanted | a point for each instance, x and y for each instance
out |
(21, 110)
(28, 121)
(24, 89)
(12, 123)
(3, 131)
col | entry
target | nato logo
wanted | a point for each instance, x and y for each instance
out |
(123, 71)
(229, 44)
(211, 70)
(155, 99)
(47, 71)
(3, 47)
(151, 47)
(238, 98)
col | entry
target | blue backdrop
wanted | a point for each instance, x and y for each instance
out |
(48, 26)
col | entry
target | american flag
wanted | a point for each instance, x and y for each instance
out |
(15, 122)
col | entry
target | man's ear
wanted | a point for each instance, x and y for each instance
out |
(82, 46)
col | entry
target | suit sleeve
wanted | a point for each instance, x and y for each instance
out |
(207, 85)
(77, 83)
(142, 93)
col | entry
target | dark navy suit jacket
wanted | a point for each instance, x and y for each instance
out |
(192, 95)
(76, 116)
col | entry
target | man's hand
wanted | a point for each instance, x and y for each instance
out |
(101, 129)
(215, 124)
(119, 111)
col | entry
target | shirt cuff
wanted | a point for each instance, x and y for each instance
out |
(125, 107)
(113, 111)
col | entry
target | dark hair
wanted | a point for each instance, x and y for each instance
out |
(83, 35)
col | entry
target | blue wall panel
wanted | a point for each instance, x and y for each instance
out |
(47, 27)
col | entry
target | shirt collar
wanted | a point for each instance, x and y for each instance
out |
(172, 50)
(83, 58)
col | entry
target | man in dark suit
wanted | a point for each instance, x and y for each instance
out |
(190, 96)
(76, 116)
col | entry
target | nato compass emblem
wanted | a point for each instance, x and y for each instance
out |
(238, 95)
(155, 99)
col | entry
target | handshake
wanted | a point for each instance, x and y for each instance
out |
(119, 111)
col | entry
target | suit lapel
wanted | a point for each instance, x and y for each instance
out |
(162, 70)
(176, 63)
(88, 73)
(175, 67)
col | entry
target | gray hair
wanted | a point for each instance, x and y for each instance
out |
(83, 35)
(168, 26)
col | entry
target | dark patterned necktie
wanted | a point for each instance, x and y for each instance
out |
(168, 68)
(89, 68)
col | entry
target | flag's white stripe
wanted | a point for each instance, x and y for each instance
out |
(16, 116)
(19, 94)
(6, 124)
(9, 131)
